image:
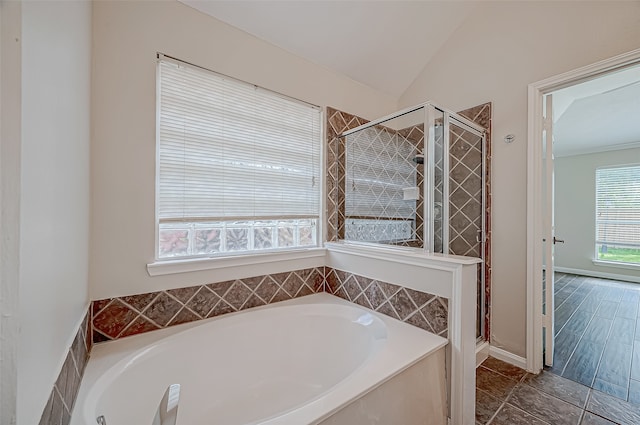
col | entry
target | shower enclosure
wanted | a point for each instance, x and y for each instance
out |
(416, 179)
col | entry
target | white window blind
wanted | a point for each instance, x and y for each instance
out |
(618, 208)
(232, 152)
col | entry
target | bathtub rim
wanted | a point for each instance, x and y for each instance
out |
(421, 344)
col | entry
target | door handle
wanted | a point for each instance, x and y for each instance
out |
(555, 241)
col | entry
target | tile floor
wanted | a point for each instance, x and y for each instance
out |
(597, 340)
(507, 395)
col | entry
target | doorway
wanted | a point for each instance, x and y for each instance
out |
(540, 220)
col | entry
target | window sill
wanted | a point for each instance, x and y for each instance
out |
(164, 267)
(617, 265)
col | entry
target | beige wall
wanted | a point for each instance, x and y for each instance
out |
(575, 208)
(493, 56)
(54, 193)
(10, 66)
(126, 37)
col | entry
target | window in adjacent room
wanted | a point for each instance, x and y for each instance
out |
(238, 166)
(618, 214)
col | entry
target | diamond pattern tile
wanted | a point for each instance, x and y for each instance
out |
(135, 314)
(203, 301)
(184, 316)
(139, 325)
(238, 294)
(377, 166)
(162, 309)
(65, 389)
(113, 318)
(417, 308)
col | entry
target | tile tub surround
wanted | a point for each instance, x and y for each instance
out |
(115, 318)
(119, 317)
(508, 395)
(64, 392)
(426, 311)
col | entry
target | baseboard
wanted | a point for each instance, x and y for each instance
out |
(508, 357)
(604, 275)
(482, 352)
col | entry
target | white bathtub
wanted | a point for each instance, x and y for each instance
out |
(302, 361)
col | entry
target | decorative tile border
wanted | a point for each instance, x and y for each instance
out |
(115, 318)
(426, 311)
(63, 396)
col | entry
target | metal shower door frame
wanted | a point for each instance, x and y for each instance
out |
(453, 118)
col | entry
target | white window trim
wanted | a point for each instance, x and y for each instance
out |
(160, 268)
(616, 264)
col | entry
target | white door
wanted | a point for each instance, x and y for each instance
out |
(549, 234)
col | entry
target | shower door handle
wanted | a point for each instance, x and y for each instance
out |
(479, 236)
(555, 241)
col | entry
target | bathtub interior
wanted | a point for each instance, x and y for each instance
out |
(248, 363)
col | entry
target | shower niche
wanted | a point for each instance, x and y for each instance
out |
(416, 179)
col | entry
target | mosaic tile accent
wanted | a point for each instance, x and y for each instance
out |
(64, 392)
(372, 230)
(426, 311)
(130, 315)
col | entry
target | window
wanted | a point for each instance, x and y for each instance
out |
(238, 166)
(618, 214)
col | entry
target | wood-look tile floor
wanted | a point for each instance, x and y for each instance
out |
(597, 334)
(507, 395)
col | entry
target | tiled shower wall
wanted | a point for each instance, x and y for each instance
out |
(64, 392)
(378, 164)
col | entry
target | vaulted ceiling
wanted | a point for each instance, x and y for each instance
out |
(382, 44)
(385, 44)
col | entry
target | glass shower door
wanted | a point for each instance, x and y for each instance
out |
(467, 201)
